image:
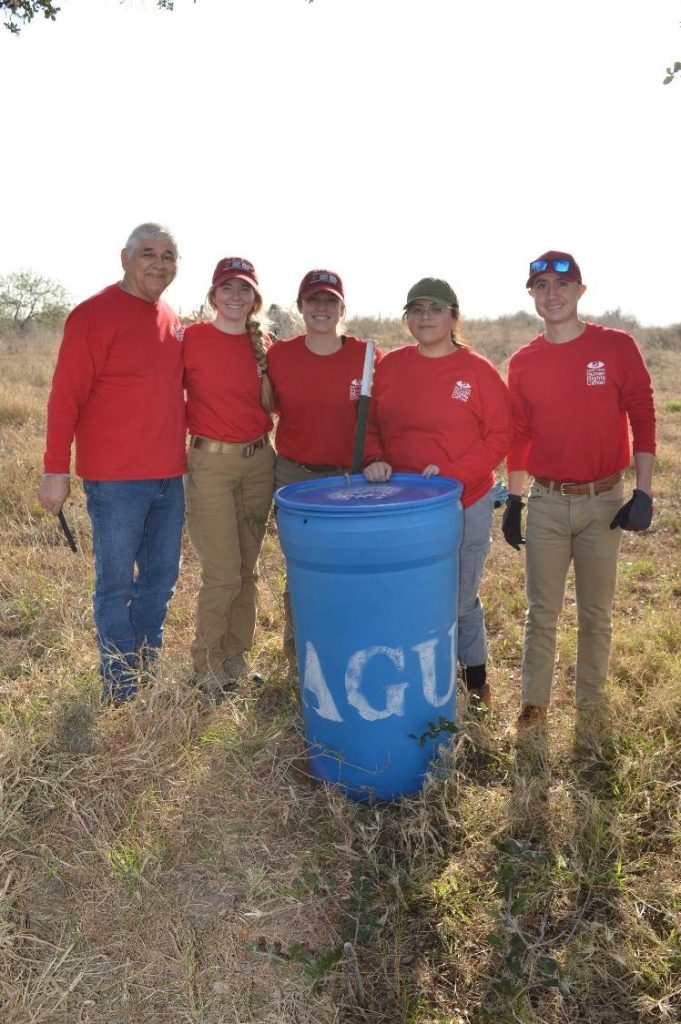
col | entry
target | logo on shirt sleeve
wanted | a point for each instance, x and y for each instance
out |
(462, 390)
(595, 372)
(355, 390)
(177, 331)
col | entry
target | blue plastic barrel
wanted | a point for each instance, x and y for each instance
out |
(373, 575)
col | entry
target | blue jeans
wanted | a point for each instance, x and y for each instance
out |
(475, 546)
(136, 537)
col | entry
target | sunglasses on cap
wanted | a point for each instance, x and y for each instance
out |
(557, 266)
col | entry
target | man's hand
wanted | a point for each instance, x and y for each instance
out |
(431, 470)
(636, 515)
(378, 472)
(53, 492)
(512, 520)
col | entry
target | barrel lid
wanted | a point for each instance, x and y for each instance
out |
(345, 495)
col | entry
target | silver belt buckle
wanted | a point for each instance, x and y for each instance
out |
(566, 483)
(252, 448)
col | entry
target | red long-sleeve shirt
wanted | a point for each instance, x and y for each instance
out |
(451, 411)
(573, 404)
(223, 382)
(117, 388)
(316, 398)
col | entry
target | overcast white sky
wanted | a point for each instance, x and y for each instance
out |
(384, 139)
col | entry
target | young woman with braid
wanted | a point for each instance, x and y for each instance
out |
(230, 482)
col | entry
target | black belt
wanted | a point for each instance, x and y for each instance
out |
(322, 468)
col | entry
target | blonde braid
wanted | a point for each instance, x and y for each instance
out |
(256, 334)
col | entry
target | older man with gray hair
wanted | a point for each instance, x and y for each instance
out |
(117, 389)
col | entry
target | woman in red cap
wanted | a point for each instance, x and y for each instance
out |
(230, 482)
(439, 408)
(316, 378)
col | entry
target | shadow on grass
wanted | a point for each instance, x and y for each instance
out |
(406, 889)
(561, 886)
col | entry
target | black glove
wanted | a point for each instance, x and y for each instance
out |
(511, 522)
(637, 514)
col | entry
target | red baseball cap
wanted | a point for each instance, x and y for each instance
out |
(234, 266)
(320, 281)
(553, 261)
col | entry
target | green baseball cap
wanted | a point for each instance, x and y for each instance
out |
(435, 289)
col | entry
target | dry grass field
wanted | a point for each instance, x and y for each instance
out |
(168, 863)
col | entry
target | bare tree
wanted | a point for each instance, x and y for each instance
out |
(27, 297)
(282, 324)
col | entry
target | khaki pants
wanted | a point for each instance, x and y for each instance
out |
(228, 500)
(287, 472)
(563, 529)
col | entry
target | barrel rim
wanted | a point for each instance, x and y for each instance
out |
(451, 491)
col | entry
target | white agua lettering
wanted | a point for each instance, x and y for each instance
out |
(313, 680)
(426, 653)
(353, 681)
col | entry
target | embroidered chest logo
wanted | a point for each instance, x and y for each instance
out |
(177, 331)
(355, 390)
(462, 390)
(595, 372)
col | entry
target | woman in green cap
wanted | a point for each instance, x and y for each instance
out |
(440, 408)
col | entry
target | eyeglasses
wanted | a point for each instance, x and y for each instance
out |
(436, 309)
(557, 266)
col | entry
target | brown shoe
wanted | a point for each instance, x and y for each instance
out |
(531, 717)
(479, 697)
(212, 685)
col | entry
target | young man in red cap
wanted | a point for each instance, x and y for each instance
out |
(576, 390)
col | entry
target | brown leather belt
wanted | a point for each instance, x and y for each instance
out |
(207, 444)
(570, 487)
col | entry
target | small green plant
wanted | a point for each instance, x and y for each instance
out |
(519, 870)
(127, 861)
(444, 725)
(314, 965)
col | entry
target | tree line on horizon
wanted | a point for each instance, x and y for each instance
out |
(31, 304)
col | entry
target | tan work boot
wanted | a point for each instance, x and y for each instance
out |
(530, 717)
(235, 669)
(212, 684)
